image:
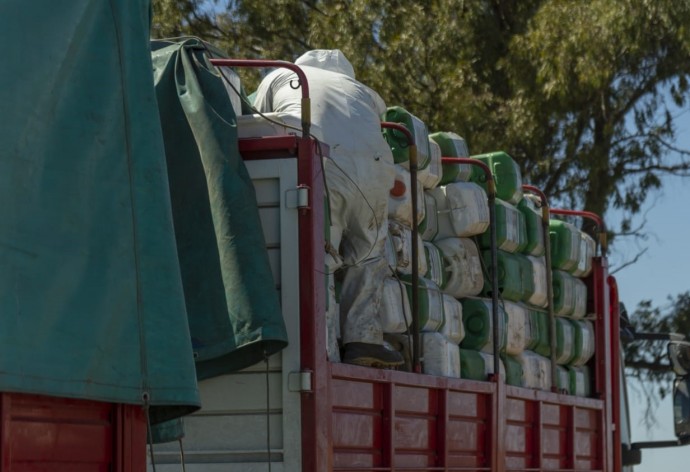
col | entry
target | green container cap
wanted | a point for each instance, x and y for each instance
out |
(398, 141)
(452, 145)
(506, 174)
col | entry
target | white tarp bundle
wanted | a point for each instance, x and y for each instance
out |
(359, 174)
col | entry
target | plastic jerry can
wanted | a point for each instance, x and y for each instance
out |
(477, 318)
(565, 245)
(452, 327)
(511, 232)
(565, 341)
(452, 145)
(563, 379)
(536, 370)
(584, 342)
(398, 141)
(477, 365)
(440, 356)
(506, 174)
(540, 328)
(394, 311)
(430, 299)
(534, 277)
(430, 176)
(400, 198)
(510, 284)
(462, 267)
(434, 263)
(518, 328)
(569, 295)
(513, 370)
(462, 210)
(588, 248)
(533, 227)
(401, 236)
(580, 381)
(428, 228)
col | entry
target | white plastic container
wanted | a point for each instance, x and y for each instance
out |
(452, 327)
(519, 333)
(430, 299)
(431, 175)
(463, 269)
(580, 299)
(584, 342)
(580, 382)
(400, 198)
(540, 297)
(440, 356)
(565, 341)
(428, 229)
(588, 249)
(402, 243)
(536, 370)
(563, 379)
(434, 263)
(395, 312)
(462, 209)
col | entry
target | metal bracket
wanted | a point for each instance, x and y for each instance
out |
(300, 382)
(297, 198)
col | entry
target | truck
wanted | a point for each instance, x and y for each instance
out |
(298, 411)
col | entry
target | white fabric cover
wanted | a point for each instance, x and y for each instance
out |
(359, 173)
(395, 311)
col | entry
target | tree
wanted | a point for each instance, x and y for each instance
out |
(581, 93)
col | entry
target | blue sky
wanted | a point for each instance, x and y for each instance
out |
(662, 271)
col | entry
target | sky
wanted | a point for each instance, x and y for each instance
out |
(660, 272)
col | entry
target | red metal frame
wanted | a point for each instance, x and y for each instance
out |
(39, 433)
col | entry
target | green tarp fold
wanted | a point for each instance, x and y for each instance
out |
(231, 298)
(91, 295)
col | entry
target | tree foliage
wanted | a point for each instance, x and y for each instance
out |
(581, 93)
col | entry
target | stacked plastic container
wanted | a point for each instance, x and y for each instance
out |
(455, 290)
(440, 315)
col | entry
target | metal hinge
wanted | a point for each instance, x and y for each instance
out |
(300, 381)
(297, 197)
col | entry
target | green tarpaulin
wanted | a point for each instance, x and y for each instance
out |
(91, 298)
(232, 303)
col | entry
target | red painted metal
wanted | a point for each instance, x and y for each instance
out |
(616, 394)
(40, 433)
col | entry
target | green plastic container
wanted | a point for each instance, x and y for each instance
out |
(584, 342)
(477, 318)
(513, 370)
(511, 230)
(540, 326)
(563, 379)
(580, 381)
(398, 141)
(565, 245)
(526, 277)
(506, 174)
(565, 341)
(569, 295)
(452, 145)
(510, 283)
(533, 227)
(430, 300)
(473, 364)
